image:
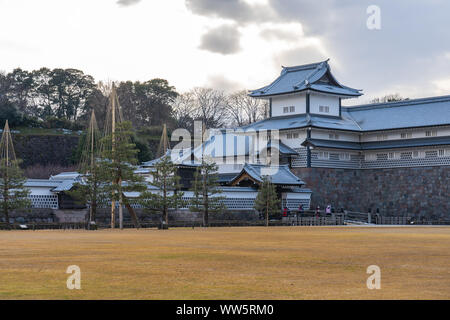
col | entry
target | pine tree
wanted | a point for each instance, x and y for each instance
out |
(166, 179)
(13, 193)
(206, 188)
(267, 201)
(117, 166)
(91, 190)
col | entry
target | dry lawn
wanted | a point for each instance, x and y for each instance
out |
(227, 263)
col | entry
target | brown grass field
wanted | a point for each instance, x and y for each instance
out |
(227, 263)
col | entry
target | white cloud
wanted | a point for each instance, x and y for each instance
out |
(161, 38)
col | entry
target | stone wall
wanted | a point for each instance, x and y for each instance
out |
(104, 216)
(420, 191)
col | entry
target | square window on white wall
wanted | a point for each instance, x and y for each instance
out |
(292, 109)
(324, 109)
(285, 109)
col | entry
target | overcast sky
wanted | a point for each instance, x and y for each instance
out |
(234, 44)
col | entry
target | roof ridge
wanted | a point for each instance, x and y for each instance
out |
(317, 69)
(400, 103)
(303, 66)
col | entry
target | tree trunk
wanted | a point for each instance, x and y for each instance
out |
(113, 218)
(5, 205)
(120, 211)
(133, 215)
(5, 211)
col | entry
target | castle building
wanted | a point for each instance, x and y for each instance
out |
(392, 156)
(389, 157)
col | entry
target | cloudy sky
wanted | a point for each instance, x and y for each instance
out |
(234, 44)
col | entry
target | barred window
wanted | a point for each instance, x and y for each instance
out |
(431, 133)
(406, 135)
(417, 154)
(323, 155)
(324, 109)
(370, 157)
(333, 136)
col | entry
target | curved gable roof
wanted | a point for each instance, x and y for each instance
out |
(304, 77)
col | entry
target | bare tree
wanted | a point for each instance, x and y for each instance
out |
(210, 106)
(245, 109)
(183, 110)
(388, 98)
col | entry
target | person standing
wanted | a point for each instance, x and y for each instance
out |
(301, 211)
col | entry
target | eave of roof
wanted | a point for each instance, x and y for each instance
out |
(282, 175)
(284, 149)
(305, 77)
(377, 145)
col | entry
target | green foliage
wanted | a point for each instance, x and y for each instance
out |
(206, 190)
(13, 194)
(166, 179)
(60, 123)
(144, 153)
(267, 201)
(147, 103)
(9, 112)
(91, 190)
(118, 164)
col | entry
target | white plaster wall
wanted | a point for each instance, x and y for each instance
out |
(293, 143)
(317, 100)
(41, 191)
(343, 136)
(298, 100)
(416, 133)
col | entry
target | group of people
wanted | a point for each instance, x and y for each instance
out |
(301, 211)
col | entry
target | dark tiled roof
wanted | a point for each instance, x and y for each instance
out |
(280, 175)
(284, 149)
(423, 112)
(305, 77)
(378, 145)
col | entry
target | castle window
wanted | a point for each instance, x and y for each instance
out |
(333, 136)
(285, 109)
(382, 137)
(441, 153)
(417, 154)
(392, 155)
(289, 136)
(292, 109)
(324, 109)
(323, 155)
(431, 133)
(344, 156)
(406, 135)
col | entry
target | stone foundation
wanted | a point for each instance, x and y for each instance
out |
(419, 191)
